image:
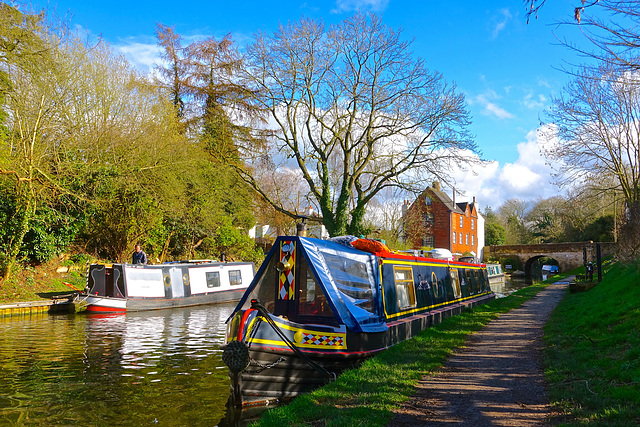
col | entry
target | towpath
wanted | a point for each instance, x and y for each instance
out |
(496, 380)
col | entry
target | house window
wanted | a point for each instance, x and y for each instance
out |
(428, 240)
(472, 224)
(473, 240)
(428, 219)
(427, 200)
(461, 219)
(466, 239)
(454, 237)
(460, 237)
(405, 291)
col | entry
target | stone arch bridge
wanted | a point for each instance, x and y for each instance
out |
(568, 255)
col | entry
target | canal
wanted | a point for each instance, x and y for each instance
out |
(151, 368)
(159, 367)
(513, 283)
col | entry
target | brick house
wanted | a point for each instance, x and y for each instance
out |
(433, 220)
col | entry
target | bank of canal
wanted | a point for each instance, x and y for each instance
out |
(151, 368)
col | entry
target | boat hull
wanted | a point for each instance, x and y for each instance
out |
(122, 305)
(317, 307)
(121, 288)
(275, 372)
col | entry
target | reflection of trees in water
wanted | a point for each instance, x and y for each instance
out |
(122, 370)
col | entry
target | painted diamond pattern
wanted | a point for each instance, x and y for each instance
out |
(327, 340)
(287, 280)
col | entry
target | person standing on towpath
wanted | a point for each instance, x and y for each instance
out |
(496, 380)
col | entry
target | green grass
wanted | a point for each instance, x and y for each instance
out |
(34, 284)
(592, 354)
(366, 396)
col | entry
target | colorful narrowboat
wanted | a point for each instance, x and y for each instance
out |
(317, 307)
(118, 288)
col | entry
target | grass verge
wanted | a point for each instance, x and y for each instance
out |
(366, 396)
(40, 283)
(592, 352)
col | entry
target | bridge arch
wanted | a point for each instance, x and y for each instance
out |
(528, 264)
(568, 255)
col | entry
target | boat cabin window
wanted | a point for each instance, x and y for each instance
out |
(235, 277)
(213, 279)
(471, 281)
(405, 290)
(312, 301)
(267, 287)
(455, 283)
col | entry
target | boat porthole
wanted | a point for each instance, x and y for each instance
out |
(167, 280)
(185, 279)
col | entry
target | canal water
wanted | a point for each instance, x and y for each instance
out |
(159, 368)
(512, 284)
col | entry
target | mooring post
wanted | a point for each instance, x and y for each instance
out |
(599, 262)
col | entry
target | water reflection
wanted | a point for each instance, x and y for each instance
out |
(161, 367)
(512, 283)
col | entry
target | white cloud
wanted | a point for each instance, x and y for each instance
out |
(528, 178)
(497, 111)
(143, 56)
(534, 103)
(490, 107)
(506, 17)
(354, 5)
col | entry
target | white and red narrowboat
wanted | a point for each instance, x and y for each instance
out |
(317, 307)
(119, 288)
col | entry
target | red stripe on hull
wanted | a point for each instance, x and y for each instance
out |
(100, 309)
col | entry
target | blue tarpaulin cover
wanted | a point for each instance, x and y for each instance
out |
(348, 277)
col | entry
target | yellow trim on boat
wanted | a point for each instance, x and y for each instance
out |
(429, 264)
(299, 338)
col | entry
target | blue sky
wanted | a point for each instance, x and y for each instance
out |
(506, 68)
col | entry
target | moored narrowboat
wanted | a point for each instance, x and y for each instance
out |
(119, 288)
(495, 275)
(317, 307)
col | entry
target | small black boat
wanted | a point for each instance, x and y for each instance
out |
(317, 307)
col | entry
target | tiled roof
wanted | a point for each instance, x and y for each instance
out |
(444, 198)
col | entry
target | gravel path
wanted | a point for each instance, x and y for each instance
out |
(496, 380)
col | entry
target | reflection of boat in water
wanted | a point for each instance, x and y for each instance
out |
(135, 287)
(317, 307)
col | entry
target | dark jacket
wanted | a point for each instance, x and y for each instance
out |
(139, 258)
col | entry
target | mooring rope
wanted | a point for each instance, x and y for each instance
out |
(264, 315)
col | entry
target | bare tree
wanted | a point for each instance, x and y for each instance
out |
(355, 113)
(534, 7)
(611, 28)
(513, 216)
(593, 134)
(173, 74)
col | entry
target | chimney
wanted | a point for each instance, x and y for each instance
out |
(405, 207)
(474, 200)
(436, 185)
